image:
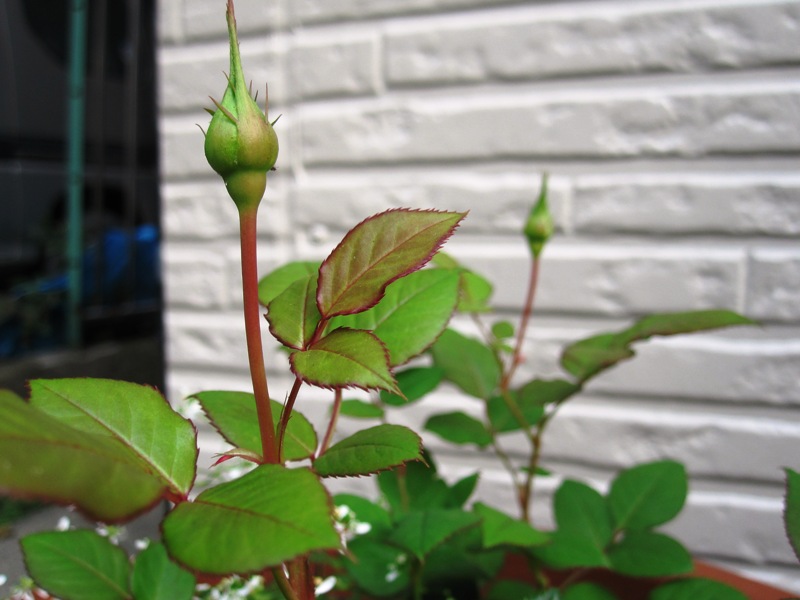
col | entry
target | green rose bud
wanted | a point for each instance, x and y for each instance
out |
(539, 226)
(241, 144)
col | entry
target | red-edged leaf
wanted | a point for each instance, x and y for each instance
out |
(346, 358)
(293, 315)
(369, 451)
(376, 252)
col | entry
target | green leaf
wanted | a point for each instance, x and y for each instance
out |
(467, 363)
(586, 358)
(567, 550)
(792, 510)
(414, 383)
(459, 428)
(345, 358)
(42, 458)
(684, 322)
(648, 495)
(508, 588)
(461, 490)
(360, 409)
(412, 314)
(377, 251)
(503, 420)
(293, 315)
(421, 532)
(380, 569)
(421, 487)
(75, 565)
(542, 392)
(354, 510)
(584, 528)
(582, 512)
(649, 554)
(369, 451)
(251, 523)
(587, 591)
(502, 330)
(136, 417)
(501, 530)
(273, 285)
(475, 292)
(156, 577)
(234, 415)
(696, 588)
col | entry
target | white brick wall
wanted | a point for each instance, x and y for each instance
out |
(671, 129)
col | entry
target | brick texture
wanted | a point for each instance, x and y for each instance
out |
(671, 131)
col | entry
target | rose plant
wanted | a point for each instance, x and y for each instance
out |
(115, 449)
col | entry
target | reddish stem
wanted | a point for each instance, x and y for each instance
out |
(287, 413)
(252, 325)
(523, 325)
(337, 406)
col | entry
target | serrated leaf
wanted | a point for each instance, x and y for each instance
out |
(75, 565)
(459, 428)
(40, 457)
(421, 532)
(345, 358)
(501, 530)
(586, 358)
(234, 415)
(251, 523)
(156, 577)
(649, 554)
(648, 495)
(376, 252)
(411, 315)
(136, 417)
(792, 510)
(293, 315)
(414, 383)
(360, 409)
(274, 284)
(696, 588)
(369, 451)
(467, 363)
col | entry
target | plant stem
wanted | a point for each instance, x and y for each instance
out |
(252, 325)
(517, 359)
(283, 584)
(287, 413)
(300, 574)
(337, 406)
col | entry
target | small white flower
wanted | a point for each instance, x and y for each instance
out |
(63, 524)
(361, 528)
(141, 544)
(3, 579)
(325, 586)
